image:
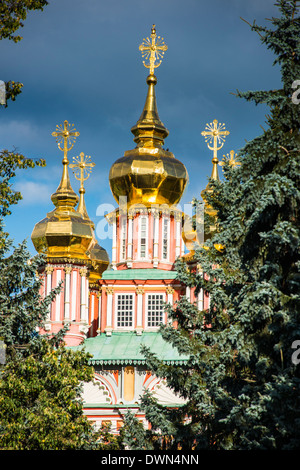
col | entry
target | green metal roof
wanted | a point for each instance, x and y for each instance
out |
(142, 274)
(125, 348)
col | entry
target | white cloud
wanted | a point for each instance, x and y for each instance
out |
(34, 193)
(15, 133)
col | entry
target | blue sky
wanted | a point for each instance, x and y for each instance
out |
(79, 60)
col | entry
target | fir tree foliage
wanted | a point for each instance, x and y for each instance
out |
(41, 382)
(241, 382)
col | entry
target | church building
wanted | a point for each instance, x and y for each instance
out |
(113, 307)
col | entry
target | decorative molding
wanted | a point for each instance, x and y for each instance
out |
(170, 290)
(68, 269)
(49, 269)
(139, 290)
(83, 272)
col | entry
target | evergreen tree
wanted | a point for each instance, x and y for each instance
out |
(242, 379)
(41, 382)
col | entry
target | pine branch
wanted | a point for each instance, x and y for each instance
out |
(253, 27)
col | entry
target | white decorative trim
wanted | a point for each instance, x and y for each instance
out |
(74, 295)
(114, 245)
(154, 328)
(58, 296)
(131, 328)
(109, 311)
(82, 297)
(178, 238)
(67, 292)
(123, 236)
(130, 238)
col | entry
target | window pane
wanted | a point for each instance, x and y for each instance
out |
(124, 310)
(155, 309)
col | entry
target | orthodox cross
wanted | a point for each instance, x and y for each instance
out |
(215, 134)
(65, 134)
(153, 50)
(82, 168)
(232, 161)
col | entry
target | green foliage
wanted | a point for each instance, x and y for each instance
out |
(39, 401)
(241, 386)
(41, 382)
(10, 163)
(13, 13)
(134, 436)
(13, 89)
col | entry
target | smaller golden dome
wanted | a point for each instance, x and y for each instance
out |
(66, 233)
(63, 233)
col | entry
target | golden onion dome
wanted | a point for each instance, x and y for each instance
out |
(63, 233)
(67, 234)
(149, 174)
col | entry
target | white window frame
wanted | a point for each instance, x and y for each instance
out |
(119, 294)
(167, 239)
(147, 311)
(141, 216)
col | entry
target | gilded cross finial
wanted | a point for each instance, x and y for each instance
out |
(231, 160)
(215, 134)
(153, 50)
(65, 134)
(82, 167)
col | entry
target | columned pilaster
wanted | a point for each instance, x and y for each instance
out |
(109, 326)
(99, 296)
(48, 271)
(74, 294)
(58, 297)
(155, 214)
(130, 240)
(139, 315)
(170, 293)
(178, 217)
(114, 245)
(83, 273)
(68, 270)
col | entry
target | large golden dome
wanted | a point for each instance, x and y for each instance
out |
(149, 174)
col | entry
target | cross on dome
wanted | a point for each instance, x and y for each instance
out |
(153, 50)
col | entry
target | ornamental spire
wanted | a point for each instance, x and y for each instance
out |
(65, 197)
(149, 131)
(82, 168)
(215, 135)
